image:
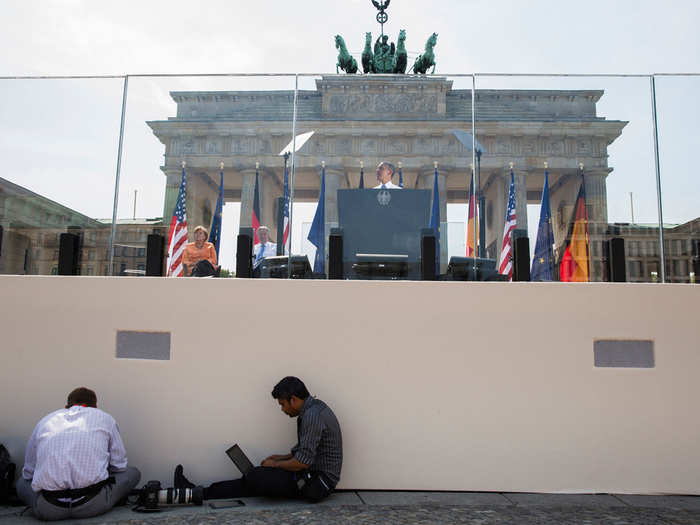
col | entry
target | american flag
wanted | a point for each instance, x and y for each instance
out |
(505, 261)
(285, 211)
(178, 233)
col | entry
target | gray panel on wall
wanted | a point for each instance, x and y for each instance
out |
(143, 345)
(624, 353)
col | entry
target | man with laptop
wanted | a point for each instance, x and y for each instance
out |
(310, 471)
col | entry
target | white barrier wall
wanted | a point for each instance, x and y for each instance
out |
(440, 386)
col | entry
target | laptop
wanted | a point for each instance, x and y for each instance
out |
(240, 459)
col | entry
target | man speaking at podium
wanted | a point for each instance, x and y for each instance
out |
(385, 172)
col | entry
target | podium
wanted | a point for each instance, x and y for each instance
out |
(382, 232)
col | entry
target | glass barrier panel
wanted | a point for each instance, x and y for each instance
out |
(678, 111)
(595, 135)
(58, 142)
(238, 121)
(380, 143)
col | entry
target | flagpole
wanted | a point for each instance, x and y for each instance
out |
(116, 180)
(291, 182)
(473, 175)
(662, 266)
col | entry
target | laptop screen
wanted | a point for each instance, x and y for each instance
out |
(240, 459)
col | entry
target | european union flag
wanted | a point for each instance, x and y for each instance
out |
(543, 258)
(435, 221)
(317, 233)
(215, 230)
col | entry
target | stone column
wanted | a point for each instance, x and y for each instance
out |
(202, 194)
(596, 203)
(269, 191)
(597, 196)
(520, 199)
(426, 180)
(335, 175)
(247, 196)
(496, 200)
(173, 178)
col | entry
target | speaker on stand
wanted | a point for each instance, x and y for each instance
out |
(428, 250)
(155, 255)
(335, 254)
(244, 253)
(68, 252)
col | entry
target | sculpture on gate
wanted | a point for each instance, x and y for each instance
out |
(385, 57)
(345, 60)
(427, 59)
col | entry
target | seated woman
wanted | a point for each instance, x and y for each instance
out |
(199, 250)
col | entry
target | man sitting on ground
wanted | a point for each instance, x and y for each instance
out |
(75, 463)
(310, 471)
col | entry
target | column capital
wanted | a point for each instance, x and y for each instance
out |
(424, 171)
(336, 170)
(596, 172)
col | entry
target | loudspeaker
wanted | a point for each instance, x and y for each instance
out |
(244, 253)
(521, 257)
(617, 270)
(68, 253)
(428, 251)
(335, 254)
(155, 255)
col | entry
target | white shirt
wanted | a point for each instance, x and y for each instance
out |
(72, 448)
(269, 250)
(388, 185)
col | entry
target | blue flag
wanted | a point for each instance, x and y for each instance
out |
(400, 178)
(317, 233)
(543, 258)
(285, 212)
(435, 221)
(362, 178)
(215, 230)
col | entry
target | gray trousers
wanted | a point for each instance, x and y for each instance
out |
(101, 503)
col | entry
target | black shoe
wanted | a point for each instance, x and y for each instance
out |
(180, 481)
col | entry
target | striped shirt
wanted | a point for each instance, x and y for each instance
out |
(320, 444)
(72, 448)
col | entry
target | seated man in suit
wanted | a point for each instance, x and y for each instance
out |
(264, 248)
(385, 172)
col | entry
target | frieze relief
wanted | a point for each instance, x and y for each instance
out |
(343, 146)
(188, 146)
(368, 146)
(213, 147)
(448, 146)
(240, 146)
(529, 147)
(424, 145)
(383, 103)
(397, 147)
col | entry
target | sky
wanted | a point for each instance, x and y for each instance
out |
(60, 137)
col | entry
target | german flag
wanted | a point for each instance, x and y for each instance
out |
(574, 265)
(472, 222)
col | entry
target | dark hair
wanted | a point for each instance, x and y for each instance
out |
(288, 387)
(82, 396)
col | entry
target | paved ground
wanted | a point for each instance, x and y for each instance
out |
(420, 508)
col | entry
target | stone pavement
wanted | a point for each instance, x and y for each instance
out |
(420, 508)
